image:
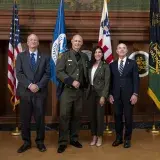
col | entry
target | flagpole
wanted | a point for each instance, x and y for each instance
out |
(16, 132)
(154, 131)
(108, 117)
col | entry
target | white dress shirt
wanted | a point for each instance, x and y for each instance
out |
(94, 68)
(124, 62)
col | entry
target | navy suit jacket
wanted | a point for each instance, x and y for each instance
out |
(26, 75)
(128, 82)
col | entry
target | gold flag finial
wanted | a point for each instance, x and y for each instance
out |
(108, 1)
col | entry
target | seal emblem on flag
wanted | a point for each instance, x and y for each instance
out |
(142, 59)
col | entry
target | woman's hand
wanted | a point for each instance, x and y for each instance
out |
(102, 101)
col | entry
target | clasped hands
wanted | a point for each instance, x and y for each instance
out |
(33, 88)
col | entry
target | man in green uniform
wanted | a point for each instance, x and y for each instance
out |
(72, 70)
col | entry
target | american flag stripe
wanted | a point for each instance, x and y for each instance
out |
(110, 58)
(10, 60)
(104, 35)
(10, 73)
(13, 50)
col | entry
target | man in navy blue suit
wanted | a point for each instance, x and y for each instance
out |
(123, 94)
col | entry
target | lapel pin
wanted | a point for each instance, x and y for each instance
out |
(39, 56)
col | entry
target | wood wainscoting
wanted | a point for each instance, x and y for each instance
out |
(131, 28)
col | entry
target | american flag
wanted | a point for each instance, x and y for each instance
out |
(13, 50)
(104, 35)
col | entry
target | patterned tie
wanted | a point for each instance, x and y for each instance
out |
(33, 61)
(121, 67)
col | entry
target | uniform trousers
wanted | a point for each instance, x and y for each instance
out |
(70, 114)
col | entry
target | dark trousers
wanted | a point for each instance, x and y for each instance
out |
(122, 106)
(28, 106)
(70, 114)
(96, 114)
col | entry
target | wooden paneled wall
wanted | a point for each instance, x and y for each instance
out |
(131, 28)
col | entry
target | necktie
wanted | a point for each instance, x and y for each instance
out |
(77, 55)
(33, 61)
(121, 67)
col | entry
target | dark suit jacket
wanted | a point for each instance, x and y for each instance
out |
(101, 80)
(128, 82)
(26, 75)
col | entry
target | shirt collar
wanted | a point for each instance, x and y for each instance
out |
(124, 60)
(75, 51)
(35, 52)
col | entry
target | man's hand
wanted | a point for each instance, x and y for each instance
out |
(133, 99)
(102, 101)
(76, 84)
(111, 99)
(33, 88)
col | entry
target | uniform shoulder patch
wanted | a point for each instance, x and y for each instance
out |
(60, 56)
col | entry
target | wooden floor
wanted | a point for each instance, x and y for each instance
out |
(144, 147)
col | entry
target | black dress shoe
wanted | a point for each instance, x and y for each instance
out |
(76, 144)
(24, 147)
(61, 148)
(127, 144)
(117, 143)
(41, 147)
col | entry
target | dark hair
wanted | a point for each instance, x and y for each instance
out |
(93, 60)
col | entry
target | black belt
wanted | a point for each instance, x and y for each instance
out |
(71, 87)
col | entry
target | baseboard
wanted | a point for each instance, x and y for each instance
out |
(84, 126)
